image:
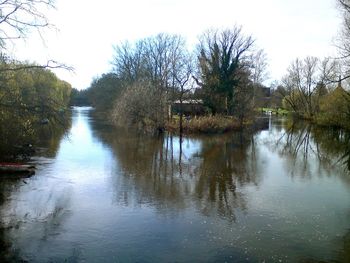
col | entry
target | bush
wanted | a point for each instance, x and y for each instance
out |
(141, 105)
(335, 109)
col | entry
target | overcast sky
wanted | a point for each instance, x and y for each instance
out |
(87, 30)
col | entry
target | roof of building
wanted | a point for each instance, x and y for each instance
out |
(189, 102)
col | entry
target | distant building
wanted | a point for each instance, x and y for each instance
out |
(189, 107)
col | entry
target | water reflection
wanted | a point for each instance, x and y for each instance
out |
(47, 211)
(211, 173)
(201, 171)
(311, 150)
(18, 132)
(277, 194)
(227, 162)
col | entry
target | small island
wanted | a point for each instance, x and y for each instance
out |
(137, 134)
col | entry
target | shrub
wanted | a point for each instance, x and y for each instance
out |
(141, 105)
(335, 109)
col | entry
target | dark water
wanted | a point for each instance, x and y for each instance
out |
(278, 195)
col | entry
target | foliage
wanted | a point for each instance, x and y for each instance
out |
(335, 109)
(104, 91)
(243, 98)
(309, 91)
(140, 105)
(151, 71)
(155, 71)
(276, 96)
(30, 94)
(222, 56)
(79, 98)
(306, 83)
(28, 98)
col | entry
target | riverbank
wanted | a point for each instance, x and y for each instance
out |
(323, 120)
(337, 120)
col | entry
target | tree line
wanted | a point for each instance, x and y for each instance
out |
(32, 98)
(318, 89)
(151, 73)
(226, 72)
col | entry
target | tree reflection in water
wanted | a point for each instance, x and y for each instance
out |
(172, 175)
(45, 218)
(15, 137)
(209, 171)
(199, 187)
(49, 213)
(299, 142)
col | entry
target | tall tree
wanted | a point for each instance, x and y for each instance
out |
(151, 63)
(183, 83)
(29, 93)
(259, 67)
(343, 42)
(306, 83)
(30, 98)
(222, 55)
(103, 91)
(154, 59)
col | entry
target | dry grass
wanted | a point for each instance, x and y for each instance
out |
(204, 124)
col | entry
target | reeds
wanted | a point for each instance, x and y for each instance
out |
(204, 124)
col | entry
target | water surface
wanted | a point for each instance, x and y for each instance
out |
(281, 194)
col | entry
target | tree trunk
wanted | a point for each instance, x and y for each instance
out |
(181, 119)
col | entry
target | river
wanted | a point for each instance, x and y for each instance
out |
(281, 194)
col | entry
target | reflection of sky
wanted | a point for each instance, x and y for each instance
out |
(81, 153)
(68, 209)
(190, 147)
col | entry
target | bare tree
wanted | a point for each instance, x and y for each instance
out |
(140, 106)
(306, 82)
(345, 4)
(343, 41)
(183, 82)
(259, 67)
(156, 61)
(129, 61)
(19, 17)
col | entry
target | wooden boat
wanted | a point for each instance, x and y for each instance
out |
(15, 168)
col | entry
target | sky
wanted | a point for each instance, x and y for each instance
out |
(87, 30)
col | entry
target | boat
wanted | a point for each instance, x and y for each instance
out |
(15, 168)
